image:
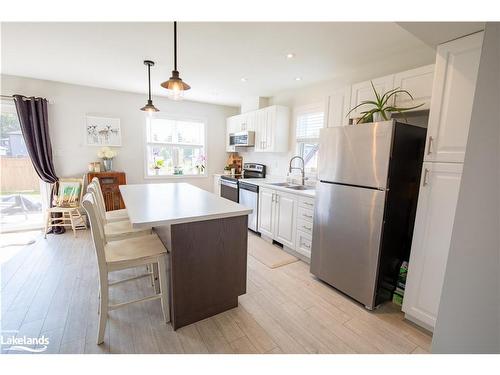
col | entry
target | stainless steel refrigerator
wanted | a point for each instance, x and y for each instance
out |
(365, 206)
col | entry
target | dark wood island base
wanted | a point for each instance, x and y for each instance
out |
(207, 265)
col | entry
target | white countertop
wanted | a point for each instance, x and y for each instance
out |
(266, 182)
(174, 203)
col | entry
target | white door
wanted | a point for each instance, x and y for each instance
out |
(363, 91)
(266, 212)
(338, 107)
(418, 82)
(457, 63)
(285, 219)
(437, 201)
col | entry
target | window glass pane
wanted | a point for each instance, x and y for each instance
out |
(170, 131)
(309, 125)
(20, 200)
(309, 152)
(175, 147)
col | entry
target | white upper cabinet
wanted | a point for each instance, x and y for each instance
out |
(457, 64)
(437, 200)
(363, 91)
(418, 82)
(232, 126)
(338, 106)
(272, 125)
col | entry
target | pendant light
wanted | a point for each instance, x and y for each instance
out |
(149, 107)
(174, 85)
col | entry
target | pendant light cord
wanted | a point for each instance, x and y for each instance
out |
(149, 80)
(175, 45)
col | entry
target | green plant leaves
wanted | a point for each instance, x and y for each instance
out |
(380, 104)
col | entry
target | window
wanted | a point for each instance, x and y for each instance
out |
(309, 121)
(175, 147)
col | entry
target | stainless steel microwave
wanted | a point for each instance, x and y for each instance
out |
(242, 139)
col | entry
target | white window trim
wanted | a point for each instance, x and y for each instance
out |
(145, 143)
(319, 106)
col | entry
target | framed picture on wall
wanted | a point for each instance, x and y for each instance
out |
(102, 131)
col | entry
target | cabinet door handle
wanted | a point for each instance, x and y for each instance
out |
(429, 145)
(305, 245)
(308, 216)
(309, 204)
(272, 199)
(426, 174)
(308, 228)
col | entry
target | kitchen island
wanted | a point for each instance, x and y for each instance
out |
(206, 237)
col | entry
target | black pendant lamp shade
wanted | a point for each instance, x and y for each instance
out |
(149, 107)
(175, 85)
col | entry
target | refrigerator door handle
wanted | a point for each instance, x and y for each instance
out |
(429, 145)
(426, 175)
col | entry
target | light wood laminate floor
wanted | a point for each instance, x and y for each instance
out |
(50, 288)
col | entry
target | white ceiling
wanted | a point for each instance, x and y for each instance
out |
(212, 57)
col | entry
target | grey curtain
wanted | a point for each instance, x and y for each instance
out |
(34, 121)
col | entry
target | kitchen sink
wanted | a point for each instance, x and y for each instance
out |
(300, 187)
(283, 184)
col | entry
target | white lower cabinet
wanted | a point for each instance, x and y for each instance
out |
(266, 211)
(439, 188)
(286, 218)
(278, 215)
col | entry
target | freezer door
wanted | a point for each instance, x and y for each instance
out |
(356, 154)
(346, 239)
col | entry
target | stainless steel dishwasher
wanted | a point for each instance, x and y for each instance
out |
(249, 197)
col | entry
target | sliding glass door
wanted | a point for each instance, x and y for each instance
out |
(21, 204)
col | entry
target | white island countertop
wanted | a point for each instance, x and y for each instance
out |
(174, 203)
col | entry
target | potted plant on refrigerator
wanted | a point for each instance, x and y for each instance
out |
(381, 109)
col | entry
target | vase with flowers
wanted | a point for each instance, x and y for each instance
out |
(107, 155)
(200, 164)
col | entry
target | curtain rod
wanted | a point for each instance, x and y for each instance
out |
(11, 97)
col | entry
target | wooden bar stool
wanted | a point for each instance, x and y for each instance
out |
(120, 255)
(115, 230)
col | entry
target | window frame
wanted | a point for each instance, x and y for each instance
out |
(320, 106)
(146, 143)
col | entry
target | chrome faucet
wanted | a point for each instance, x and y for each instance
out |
(301, 169)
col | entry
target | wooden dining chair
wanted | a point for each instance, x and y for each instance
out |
(67, 203)
(120, 255)
(115, 230)
(115, 215)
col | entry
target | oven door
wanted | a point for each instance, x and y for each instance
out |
(229, 190)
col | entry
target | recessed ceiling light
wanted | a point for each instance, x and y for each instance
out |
(290, 55)
(243, 79)
(298, 78)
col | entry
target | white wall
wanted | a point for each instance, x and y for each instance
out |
(67, 119)
(469, 311)
(277, 163)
